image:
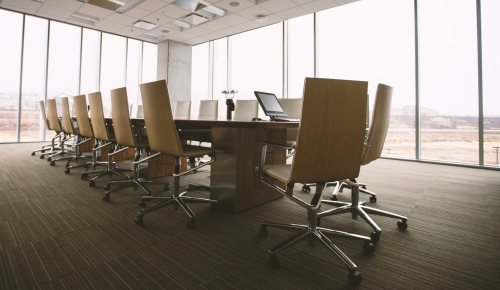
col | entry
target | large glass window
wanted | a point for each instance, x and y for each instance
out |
(220, 75)
(113, 65)
(257, 61)
(490, 10)
(64, 60)
(11, 32)
(134, 53)
(199, 76)
(300, 53)
(33, 78)
(149, 62)
(448, 80)
(379, 48)
(89, 81)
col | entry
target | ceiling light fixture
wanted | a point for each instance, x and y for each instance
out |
(39, 1)
(144, 25)
(261, 18)
(129, 6)
(84, 18)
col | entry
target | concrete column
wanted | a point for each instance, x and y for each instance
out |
(174, 65)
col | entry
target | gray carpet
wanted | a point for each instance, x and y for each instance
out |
(56, 232)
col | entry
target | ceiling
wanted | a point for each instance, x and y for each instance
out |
(240, 15)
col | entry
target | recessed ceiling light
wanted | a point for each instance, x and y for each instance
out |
(234, 4)
(165, 31)
(144, 25)
(261, 18)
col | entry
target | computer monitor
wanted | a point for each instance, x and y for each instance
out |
(270, 105)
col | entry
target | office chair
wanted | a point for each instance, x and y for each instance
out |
(372, 151)
(329, 147)
(246, 110)
(125, 138)
(164, 139)
(293, 110)
(104, 136)
(182, 110)
(53, 144)
(52, 122)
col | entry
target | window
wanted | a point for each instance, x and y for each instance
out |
(220, 75)
(381, 52)
(300, 53)
(491, 75)
(113, 66)
(134, 53)
(257, 61)
(33, 78)
(149, 62)
(448, 80)
(199, 76)
(89, 81)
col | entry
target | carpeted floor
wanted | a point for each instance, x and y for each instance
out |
(56, 232)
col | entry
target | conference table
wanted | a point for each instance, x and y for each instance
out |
(234, 176)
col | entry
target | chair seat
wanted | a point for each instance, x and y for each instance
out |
(195, 151)
(280, 172)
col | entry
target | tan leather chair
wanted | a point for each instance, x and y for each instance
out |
(164, 139)
(182, 110)
(246, 110)
(372, 151)
(126, 138)
(329, 147)
(209, 110)
(104, 137)
(293, 110)
(53, 147)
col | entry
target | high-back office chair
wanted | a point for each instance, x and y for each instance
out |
(163, 138)
(293, 110)
(52, 145)
(125, 138)
(246, 110)
(329, 147)
(209, 110)
(104, 137)
(139, 113)
(182, 110)
(372, 151)
(53, 124)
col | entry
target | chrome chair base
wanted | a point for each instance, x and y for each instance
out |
(136, 182)
(340, 185)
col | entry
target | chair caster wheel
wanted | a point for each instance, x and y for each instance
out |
(66, 171)
(402, 225)
(42, 157)
(354, 276)
(49, 159)
(107, 187)
(105, 198)
(373, 199)
(84, 176)
(92, 183)
(273, 261)
(32, 153)
(369, 247)
(52, 163)
(138, 220)
(67, 165)
(375, 237)
(264, 231)
(306, 188)
(191, 223)
(334, 197)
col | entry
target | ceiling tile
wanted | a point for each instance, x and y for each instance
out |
(137, 12)
(232, 19)
(152, 5)
(174, 11)
(277, 5)
(213, 25)
(57, 13)
(319, 5)
(224, 4)
(157, 19)
(292, 13)
(64, 4)
(197, 31)
(342, 2)
(95, 11)
(25, 5)
(109, 26)
(249, 25)
(252, 12)
(302, 2)
(120, 19)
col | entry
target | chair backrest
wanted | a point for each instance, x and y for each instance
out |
(67, 123)
(292, 107)
(82, 116)
(332, 131)
(52, 116)
(160, 126)
(121, 119)
(379, 125)
(44, 116)
(208, 110)
(182, 110)
(140, 112)
(97, 116)
(246, 110)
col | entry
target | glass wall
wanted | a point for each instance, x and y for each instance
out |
(199, 76)
(33, 78)
(72, 65)
(11, 33)
(448, 80)
(491, 79)
(300, 52)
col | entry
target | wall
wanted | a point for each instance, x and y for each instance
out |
(174, 65)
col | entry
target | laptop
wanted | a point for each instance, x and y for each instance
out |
(271, 106)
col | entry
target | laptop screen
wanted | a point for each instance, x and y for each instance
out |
(270, 104)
